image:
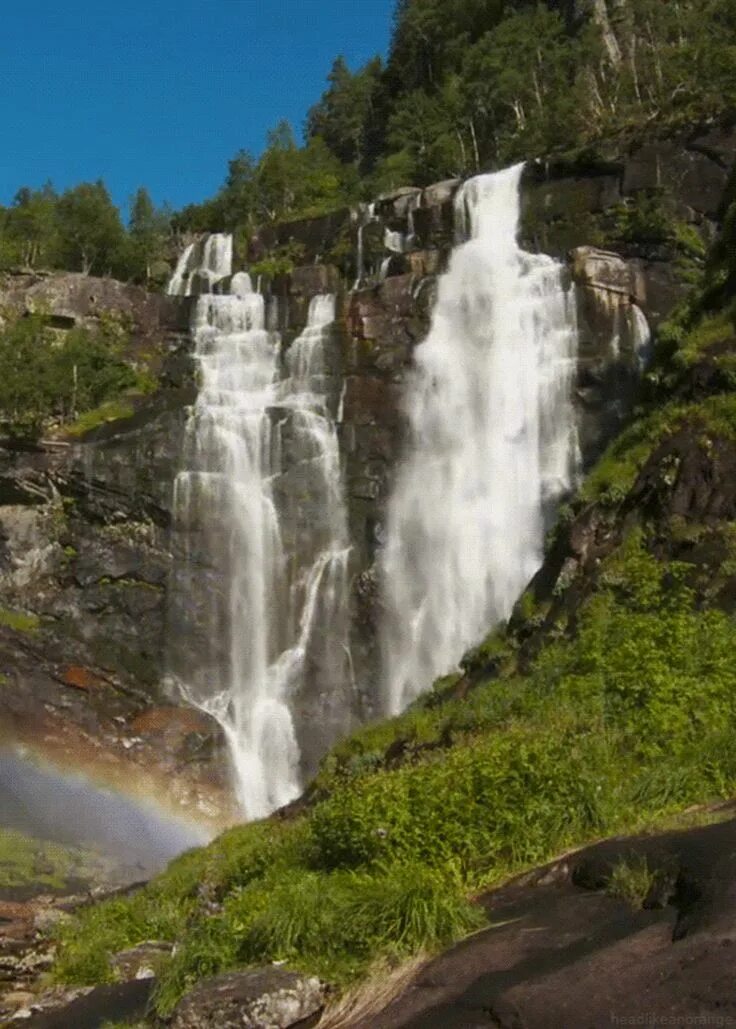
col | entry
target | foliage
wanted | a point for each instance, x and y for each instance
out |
(110, 411)
(44, 378)
(625, 714)
(468, 85)
(279, 261)
(81, 230)
(148, 238)
(90, 230)
(629, 719)
(41, 864)
(471, 84)
(349, 118)
(287, 182)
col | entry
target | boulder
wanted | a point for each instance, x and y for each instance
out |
(262, 998)
(604, 270)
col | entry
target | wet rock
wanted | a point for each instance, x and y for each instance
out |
(265, 998)
(604, 270)
(612, 339)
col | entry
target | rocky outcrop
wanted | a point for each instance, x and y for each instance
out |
(563, 949)
(613, 343)
(264, 998)
(84, 564)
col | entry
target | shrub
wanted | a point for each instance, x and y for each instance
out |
(45, 378)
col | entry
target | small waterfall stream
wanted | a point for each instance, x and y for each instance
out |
(260, 583)
(493, 443)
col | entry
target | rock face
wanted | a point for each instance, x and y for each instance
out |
(564, 951)
(265, 998)
(628, 276)
(84, 560)
(85, 547)
(613, 343)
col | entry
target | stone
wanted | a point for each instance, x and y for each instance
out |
(263, 998)
(440, 192)
(694, 178)
(604, 270)
(81, 678)
(140, 962)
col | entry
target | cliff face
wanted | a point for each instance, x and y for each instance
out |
(631, 231)
(85, 547)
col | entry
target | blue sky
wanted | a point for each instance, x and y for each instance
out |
(162, 93)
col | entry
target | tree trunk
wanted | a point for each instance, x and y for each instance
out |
(610, 42)
(475, 145)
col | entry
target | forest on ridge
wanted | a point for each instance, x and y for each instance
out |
(467, 85)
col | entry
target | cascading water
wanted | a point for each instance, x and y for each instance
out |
(366, 215)
(208, 261)
(260, 584)
(493, 443)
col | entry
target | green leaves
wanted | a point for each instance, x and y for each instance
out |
(43, 378)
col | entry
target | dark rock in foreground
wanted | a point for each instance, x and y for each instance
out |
(564, 952)
(264, 998)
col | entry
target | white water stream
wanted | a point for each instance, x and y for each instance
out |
(261, 585)
(493, 444)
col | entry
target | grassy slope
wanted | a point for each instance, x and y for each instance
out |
(607, 704)
(29, 866)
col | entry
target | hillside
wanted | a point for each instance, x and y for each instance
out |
(449, 383)
(606, 706)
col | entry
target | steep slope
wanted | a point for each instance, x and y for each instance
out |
(607, 705)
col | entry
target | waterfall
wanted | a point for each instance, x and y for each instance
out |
(179, 283)
(366, 214)
(492, 444)
(209, 260)
(260, 582)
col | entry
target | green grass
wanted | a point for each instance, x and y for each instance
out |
(19, 621)
(628, 722)
(110, 411)
(710, 330)
(28, 862)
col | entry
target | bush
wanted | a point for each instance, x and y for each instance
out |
(45, 378)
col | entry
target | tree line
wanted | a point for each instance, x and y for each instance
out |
(468, 85)
(81, 230)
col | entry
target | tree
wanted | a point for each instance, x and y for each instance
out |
(238, 198)
(430, 37)
(292, 182)
(149, 228)
(348, 116)
(91, 232)
(422, 127)
(519, 87)
(31, 222)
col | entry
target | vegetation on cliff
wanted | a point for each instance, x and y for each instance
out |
(48, 379)
(470, 85)
(608, 703)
